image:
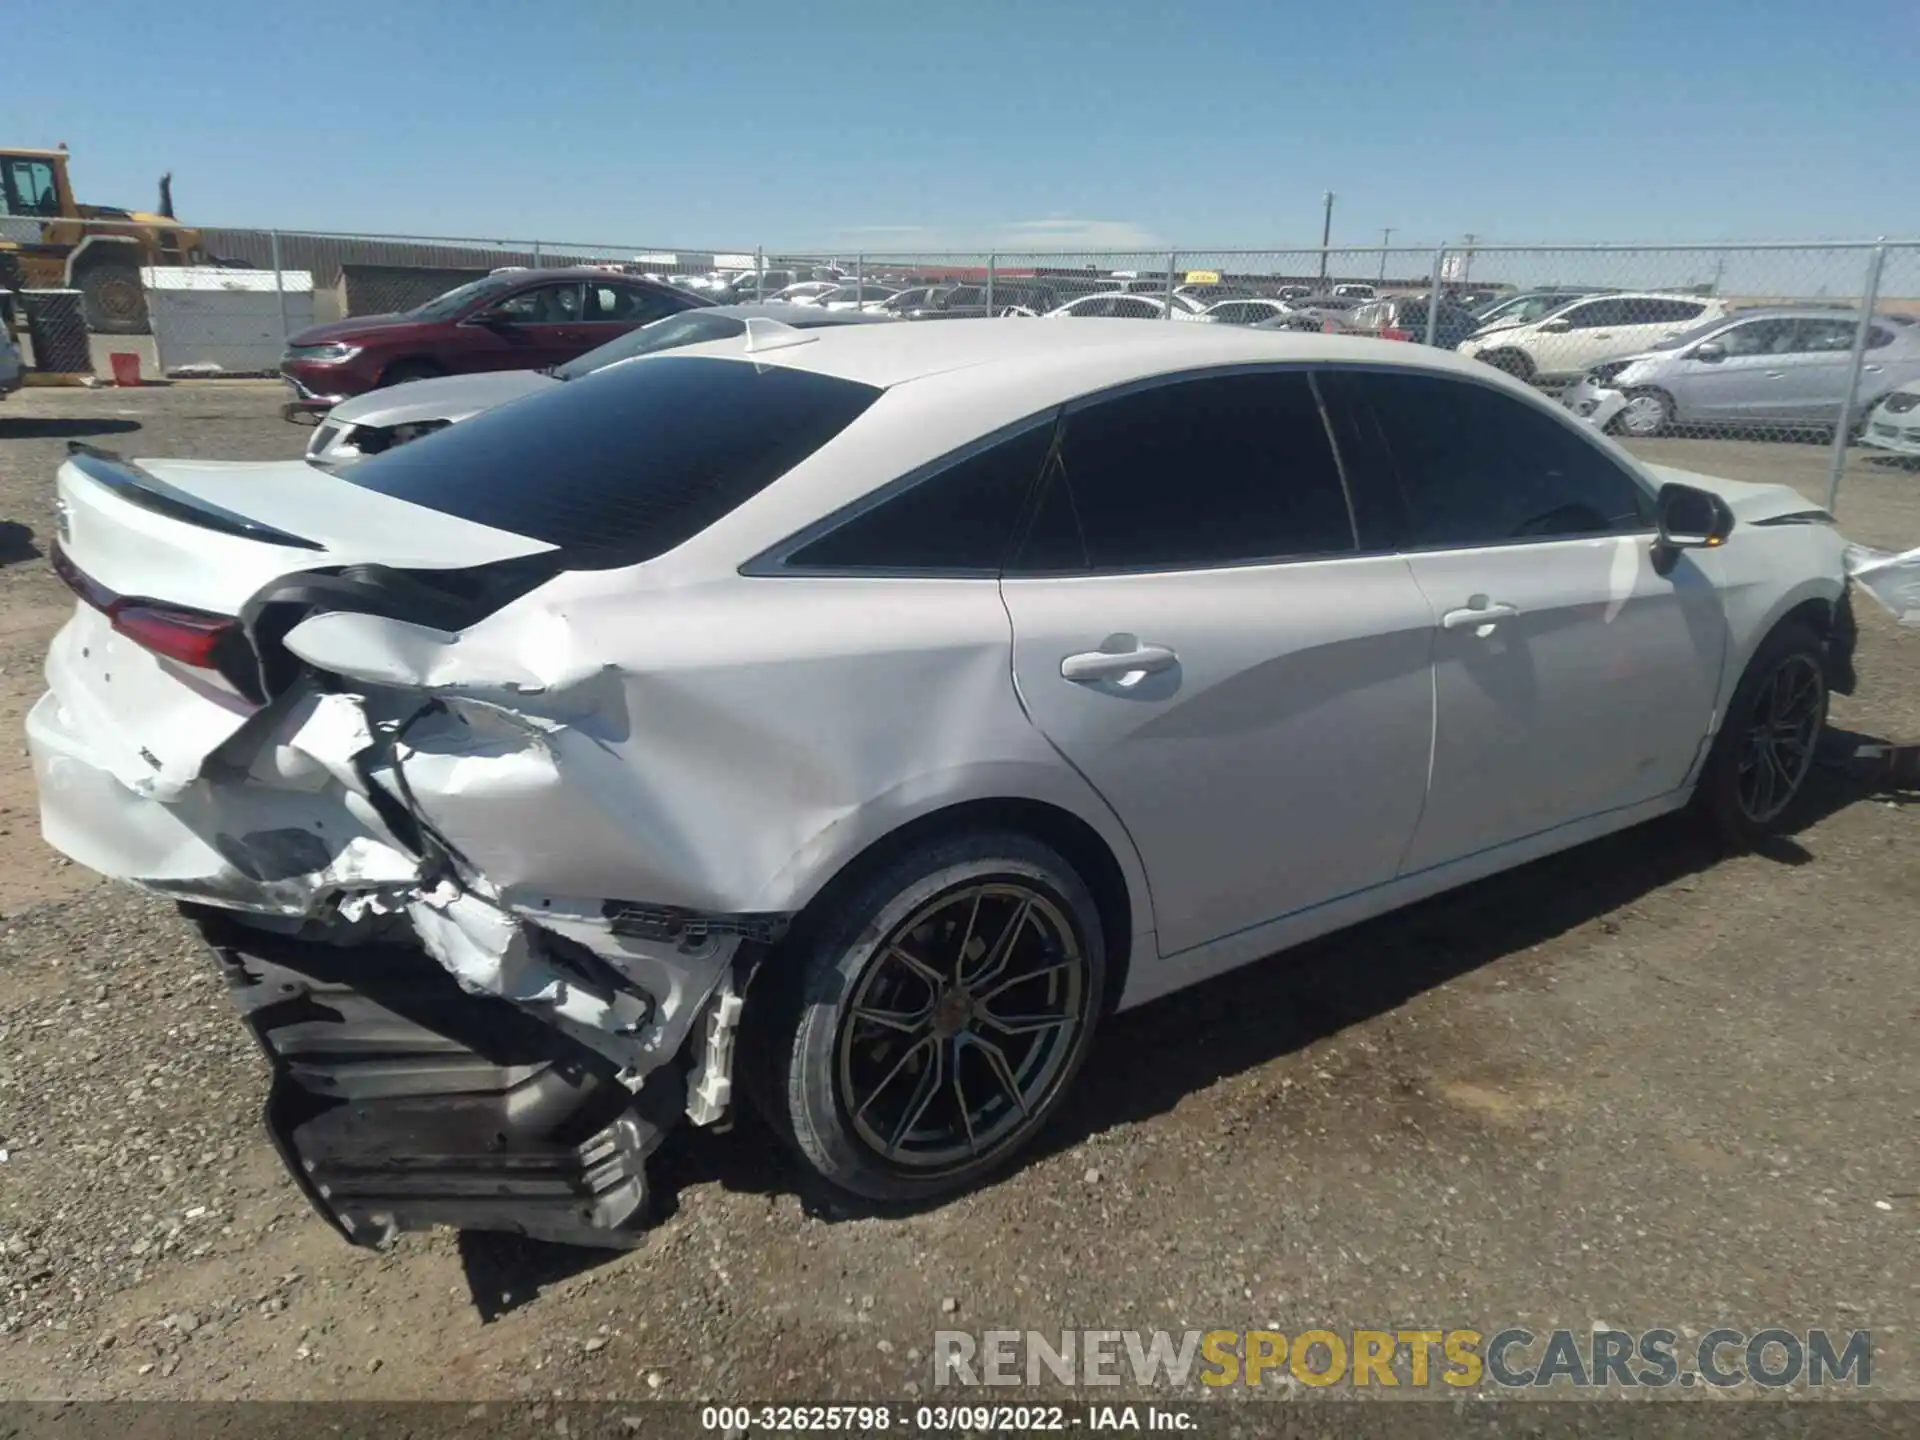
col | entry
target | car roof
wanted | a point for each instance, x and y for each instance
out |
(1802, 312)
(1102, 351)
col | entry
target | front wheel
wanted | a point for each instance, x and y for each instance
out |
(113, 299)
(1757, 770)
(1645, 414)
(408, 370)
(939, 1015)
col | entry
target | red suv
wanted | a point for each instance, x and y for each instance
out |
(511, 320)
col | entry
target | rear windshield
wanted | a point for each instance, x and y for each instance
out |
(625, 464)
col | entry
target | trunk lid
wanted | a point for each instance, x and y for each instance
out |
(207, 534)
(155, 671)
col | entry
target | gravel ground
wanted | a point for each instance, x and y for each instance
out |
(1631, 1085)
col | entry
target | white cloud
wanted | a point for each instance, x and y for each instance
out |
(1055, 233)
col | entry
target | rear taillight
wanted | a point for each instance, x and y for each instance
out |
(1390, 333)
(192, 637)
(189, 636)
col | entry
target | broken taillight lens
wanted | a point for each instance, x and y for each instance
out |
(192, 637)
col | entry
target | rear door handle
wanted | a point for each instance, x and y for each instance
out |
(1480, 611)
(1095, 665)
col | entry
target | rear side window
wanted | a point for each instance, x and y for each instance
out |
(960, 518)
(620, 466)
(1223, 470)
(1438, 463)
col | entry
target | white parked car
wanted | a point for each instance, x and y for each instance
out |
(1894, 424)
(1355, 291)
(1247, 311)
(1104, 305)
(856, 297)
(863, 719)
(1573, 339)
(806, 292)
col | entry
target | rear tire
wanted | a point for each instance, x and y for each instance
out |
(402, 371)
(112, 297)
(1755, 776)
(982, 957)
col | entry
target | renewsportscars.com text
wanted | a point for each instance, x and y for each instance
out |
(1512, 1358)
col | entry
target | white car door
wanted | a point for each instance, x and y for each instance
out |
(1573, 674)
(1196, 632)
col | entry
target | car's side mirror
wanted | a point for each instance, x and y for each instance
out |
(1691, 518)
(1556, 327)
(1710, 350)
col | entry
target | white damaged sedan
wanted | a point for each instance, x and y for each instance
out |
(862, 715)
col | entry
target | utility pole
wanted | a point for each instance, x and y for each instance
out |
(1386, 238)
(1326, 233)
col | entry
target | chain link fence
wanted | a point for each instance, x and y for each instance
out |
(1792, 345)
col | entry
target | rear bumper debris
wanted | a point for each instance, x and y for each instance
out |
(445, 1050)
(400, 1101)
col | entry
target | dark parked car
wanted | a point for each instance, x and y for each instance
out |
(1404, 317)
(512, 320)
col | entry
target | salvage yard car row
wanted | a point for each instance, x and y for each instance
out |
(1639, 363)
(781, 705)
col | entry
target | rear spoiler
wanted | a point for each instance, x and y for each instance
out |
(148, 491)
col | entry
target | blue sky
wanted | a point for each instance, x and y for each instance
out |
(904, 127)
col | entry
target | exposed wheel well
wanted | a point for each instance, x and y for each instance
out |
(1516, 362)
(1833, 622)
(1079, 845)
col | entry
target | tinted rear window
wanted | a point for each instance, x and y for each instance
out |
(620, 466)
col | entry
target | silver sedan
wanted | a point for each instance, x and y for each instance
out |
(1786, 367)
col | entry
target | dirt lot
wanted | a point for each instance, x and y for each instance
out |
(1628, 1086)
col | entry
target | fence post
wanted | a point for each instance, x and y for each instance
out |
(279, 284)
(1173, 260)
(992, 263)
(536, 256)
(759, 273)
(1843, 422)
(1433, 294)
(859, 283)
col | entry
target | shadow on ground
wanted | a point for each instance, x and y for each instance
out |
(1146, 1060)
(32, 427)
(16, 543)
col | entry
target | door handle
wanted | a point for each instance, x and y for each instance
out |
(1776, 374)
(1095, 665)
(1480, 611)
